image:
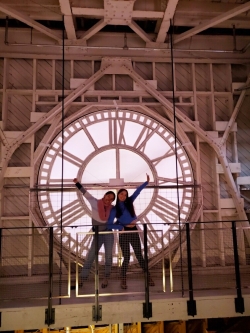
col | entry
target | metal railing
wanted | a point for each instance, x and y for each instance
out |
(38, 264)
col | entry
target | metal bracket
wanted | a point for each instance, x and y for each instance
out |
(239, 305)
(50, 316)
(96, 313)
(147, 310)
(191, 308)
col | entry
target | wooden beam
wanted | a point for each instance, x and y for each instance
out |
(220, 18)
(235, 113)
(138, 30)
(69, 23)
(17, 172)
(92, 12)
(54, 112)
(201, 133)
(93, 30)
(30, 22)
(165, 24)
(99, 13)
(3, 137)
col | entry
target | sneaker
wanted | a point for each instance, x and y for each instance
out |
(124, 283)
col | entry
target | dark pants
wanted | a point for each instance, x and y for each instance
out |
(125, 239)
(108, 241)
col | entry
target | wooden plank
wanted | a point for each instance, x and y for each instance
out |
(243, 180)
(35, 116)
(163, 76)
(215, 21)
(44, 74)
(68, 18)
(137, 87)
(138, 30)
(229, 203)
(221, 126)
(243, 124)
(20, 74)
(222, 108)
(12, 135)
(204, 105)
(222, 77)
(75, 83)
(144, 69)
(202, 77)
(82, 69)
(186, 128)
(165, 24)
(183, 75)
(14, 172)
(211, 134)
(27, 20)
(19, 108)
(21, 156)
(93, 30)
(208, 179)
(234, 168)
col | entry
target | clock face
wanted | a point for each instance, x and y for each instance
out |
(109, 150)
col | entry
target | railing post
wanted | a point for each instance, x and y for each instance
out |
(191, 303)
(96, 309)
(50, 312)
(147, 306)
(239, 301)
(1, 234)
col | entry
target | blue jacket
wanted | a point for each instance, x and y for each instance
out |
(126, 217)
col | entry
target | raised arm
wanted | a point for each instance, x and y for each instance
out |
(86, 194)
(78, 185)
(140, 188)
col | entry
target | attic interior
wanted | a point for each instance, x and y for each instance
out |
(108, 91)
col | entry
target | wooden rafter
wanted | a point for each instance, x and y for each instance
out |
(138, 30)
(220, 18)
(30, 22)
(235, 113)
(99, 13)
(49, 116)
(165, 24)
(93, 30)
(200, 132)
(68, 19)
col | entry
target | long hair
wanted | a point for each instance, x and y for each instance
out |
(128, 204)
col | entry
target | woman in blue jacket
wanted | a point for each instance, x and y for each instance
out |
(126, 220)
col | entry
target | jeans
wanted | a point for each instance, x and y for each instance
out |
(108, 241)
(125, 240)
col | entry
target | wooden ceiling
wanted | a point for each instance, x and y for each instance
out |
(125, 26)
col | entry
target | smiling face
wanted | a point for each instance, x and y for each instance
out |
(122, 196)
(108, 199)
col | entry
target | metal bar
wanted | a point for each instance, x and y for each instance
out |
(50, 313)
(96, 267)
(96, 310)
(1, 234)
(191, 304)
(239, 301)
(171, 281)
(147, 306)
(163, 265)
(6, 31)
(98, 186)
